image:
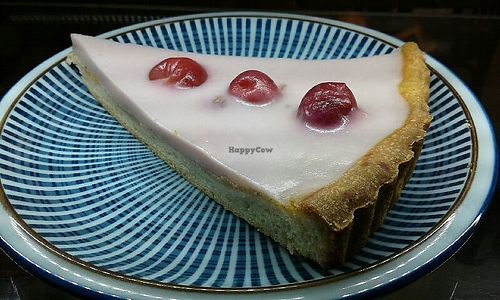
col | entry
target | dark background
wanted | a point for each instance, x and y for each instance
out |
(463, 35)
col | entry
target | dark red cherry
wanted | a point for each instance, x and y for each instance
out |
(254, 87)
(327, 105)
(181, 72)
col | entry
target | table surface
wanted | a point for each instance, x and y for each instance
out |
(465, 41)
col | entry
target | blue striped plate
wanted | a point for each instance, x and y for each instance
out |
(85, 205)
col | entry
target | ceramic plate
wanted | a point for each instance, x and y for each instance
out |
(88, 207)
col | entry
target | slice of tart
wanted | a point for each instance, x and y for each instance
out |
(311, 153)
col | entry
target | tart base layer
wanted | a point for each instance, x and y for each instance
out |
(334, 222)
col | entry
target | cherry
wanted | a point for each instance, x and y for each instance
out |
(254, 87)
(181, 72)
(327, 105)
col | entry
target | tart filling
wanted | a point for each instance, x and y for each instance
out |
(225, 135)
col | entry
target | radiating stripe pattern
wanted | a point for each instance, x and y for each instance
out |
(85, 185)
